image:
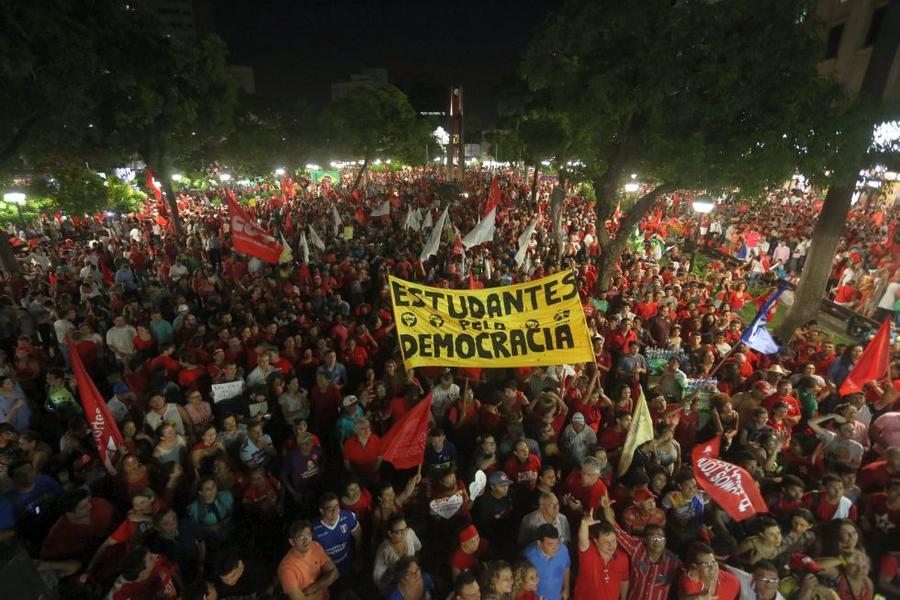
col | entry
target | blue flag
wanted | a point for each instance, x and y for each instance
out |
(756, 335)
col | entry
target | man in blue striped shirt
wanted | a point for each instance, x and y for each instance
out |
(338, 532)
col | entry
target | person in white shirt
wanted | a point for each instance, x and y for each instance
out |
(443, 395)
(120, 338)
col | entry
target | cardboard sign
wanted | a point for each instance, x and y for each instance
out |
(227, 391)
(447, 507)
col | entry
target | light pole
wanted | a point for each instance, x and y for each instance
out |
(18, 199)
(702, 205)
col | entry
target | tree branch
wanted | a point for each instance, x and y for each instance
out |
(643, 204)
(19, 137)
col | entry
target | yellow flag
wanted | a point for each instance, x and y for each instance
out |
(640, 432)
(286, 254)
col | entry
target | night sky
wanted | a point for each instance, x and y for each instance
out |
(299, 47)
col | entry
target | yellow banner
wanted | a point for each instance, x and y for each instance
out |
(530, 324)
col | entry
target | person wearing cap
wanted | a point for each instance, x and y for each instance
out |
(551, 560)
(546, 514)
(577, 438)
(493, 510)
(643, 512)
(468, 554)
(346, 422)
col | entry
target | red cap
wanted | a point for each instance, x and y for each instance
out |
(804, 564)
(643, 494)
(467, 534)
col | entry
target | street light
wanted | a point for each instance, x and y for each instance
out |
(18, 199)
(279, 171)
(702, 205)
(177, 177)
(632, 187)
(224, 177)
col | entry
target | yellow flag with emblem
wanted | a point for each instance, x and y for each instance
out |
(640, 432)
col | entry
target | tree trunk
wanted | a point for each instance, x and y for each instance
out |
(819, 258)
(612, 247)
(171, 199)
(534, 183)
(7, 258)
(359, 175)
(831, 221)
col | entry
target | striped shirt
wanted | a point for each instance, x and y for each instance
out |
(649, 580)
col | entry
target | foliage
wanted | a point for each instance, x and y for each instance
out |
(373, 122)
(679, 93)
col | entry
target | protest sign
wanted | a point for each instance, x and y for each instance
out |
(226, 391)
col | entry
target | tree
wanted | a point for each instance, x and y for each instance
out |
(166, 100)
(680, 93)
(370, 121)
(850, 154)
(53, 58)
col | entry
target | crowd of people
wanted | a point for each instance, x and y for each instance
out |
(252, 400)
(863, 274)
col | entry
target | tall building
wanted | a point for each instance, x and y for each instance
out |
(852, 26)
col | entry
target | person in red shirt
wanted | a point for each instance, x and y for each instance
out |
(603, 568)
(613, 438)
(362, 452)
(874, 476)
(85, 523)
(830, 503)
(523, 467)
(783, 394)
(702, 575)
(584, 488)
(882, 516)
(468, 555)
(145, 576)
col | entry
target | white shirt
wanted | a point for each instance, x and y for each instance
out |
(748, 592)
(890, 295)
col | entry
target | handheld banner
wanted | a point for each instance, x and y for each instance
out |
(530, 324)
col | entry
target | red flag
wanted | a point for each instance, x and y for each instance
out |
(471, 280)
(248, 237)
(457, 245)
(157, 193)
(108, 276)
(106, 433)
(873, 364)
(727, 484)
(288, 223)
(404, 445)
(493, 198)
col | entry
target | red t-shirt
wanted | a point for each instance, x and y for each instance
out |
(598, 579)
(463, 561)
(588, 496)
(882, 517)
(822, 508)
(524, 474)
(362, 458)
(67, 540)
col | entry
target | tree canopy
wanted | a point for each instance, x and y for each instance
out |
(697, 94)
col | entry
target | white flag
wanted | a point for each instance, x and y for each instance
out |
(410, 221)
(304, 247)
(434, 240)
(487, 268)
(482, 232)
(315, 239)
(383, 210)
(524, 240)
(427, 222)
(338, 223)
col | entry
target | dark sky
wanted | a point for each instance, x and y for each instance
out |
(299, 47)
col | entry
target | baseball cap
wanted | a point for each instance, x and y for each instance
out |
(499, 478)
(184, 308)
(121, 388)
(578, 418)
(350, 400)
(467, 534)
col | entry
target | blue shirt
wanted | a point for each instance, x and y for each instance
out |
(337, 541)
(442, 458)
(162, 331)
(23, 416)
(427, 584)
(551, 571)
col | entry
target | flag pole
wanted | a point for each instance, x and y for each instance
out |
(722, 362)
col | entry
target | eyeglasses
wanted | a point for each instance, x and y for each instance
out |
(331, 509)
(768, 579)
(708, 564)
(303, 537)
(656, 538)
